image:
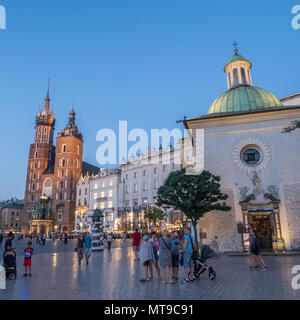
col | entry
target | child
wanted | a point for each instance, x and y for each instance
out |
(146, 257)
(28, 252)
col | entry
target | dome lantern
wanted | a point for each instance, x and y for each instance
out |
(238, 71)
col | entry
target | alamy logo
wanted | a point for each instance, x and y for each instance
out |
(2, 18)
(296, 278)
(296, 19)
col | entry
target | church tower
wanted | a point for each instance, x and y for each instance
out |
(67, 172)
(41, 157)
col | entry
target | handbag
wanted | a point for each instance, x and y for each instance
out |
(195, 253)
(181, 260)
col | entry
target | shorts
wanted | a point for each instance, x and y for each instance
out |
(187, 260)
(27, 262)
(147, 263)
(87, 251)
(255, 252)
(175, 260)
(136, 248)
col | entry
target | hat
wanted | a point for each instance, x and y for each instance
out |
(145, 237)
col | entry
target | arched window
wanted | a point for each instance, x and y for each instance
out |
(63, 162)
(235, 77)
(35, 155)
(77, 149)
(243, 76)
(64, 148)
(33, 187)
(229, 78)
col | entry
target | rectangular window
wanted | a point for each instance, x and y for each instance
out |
(110, 193)
(135, 187)
(102, 194)
(155, 170)
(103, 184)
(96, 186)
(110, 182)
(165, 167)
(155, 184)
(95, 206)
(95, 195)
(110, 204)
(102, 205)
(145, 186)
(127, 190)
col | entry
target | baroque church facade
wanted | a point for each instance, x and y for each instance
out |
(258, 163)
(52, 175)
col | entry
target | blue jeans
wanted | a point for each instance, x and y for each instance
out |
(187, 260)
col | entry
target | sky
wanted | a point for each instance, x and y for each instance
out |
(150, 62)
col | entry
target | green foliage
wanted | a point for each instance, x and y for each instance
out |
(295, 125)
(194, 195)
(154, 215)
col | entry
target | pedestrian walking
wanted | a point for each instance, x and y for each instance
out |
(28, 253)
(175, 243)
(66, 239)
(136, 239)
(165, 256)
(124, 237)
(44, 239)
(255, 251)
(80, 249)
(108, 240)
(188, 248)
(146, 255)
(155, 247)
(87, 247)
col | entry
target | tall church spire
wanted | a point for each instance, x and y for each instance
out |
(47, 101)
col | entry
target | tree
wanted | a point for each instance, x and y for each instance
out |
(294, 125)
(194, 195)
(154, 215)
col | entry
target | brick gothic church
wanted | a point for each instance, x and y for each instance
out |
(52, 175)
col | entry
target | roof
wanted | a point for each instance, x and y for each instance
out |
(244, 98)
(237, 57)
(88, 168)
(230, 114)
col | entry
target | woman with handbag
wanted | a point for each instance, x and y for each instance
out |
(165, 256)
(188, 249)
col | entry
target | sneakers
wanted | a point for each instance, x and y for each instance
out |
(249, 268)
(264, 268)
(144, 279)
(185, 281)
(25, 275)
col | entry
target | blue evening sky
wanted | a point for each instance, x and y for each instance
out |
(150, 62)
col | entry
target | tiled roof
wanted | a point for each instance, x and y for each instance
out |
(89, 168)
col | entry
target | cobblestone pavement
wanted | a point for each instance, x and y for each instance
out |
(115, 275)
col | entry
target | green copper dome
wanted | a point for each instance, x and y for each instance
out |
(244, 98)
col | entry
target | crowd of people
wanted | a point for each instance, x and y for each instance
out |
(165, 253)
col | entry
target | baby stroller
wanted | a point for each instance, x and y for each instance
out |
(9, 264)
(200, 265)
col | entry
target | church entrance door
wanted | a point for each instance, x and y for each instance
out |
(262, 226)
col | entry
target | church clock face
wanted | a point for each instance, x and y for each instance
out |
(251, 157)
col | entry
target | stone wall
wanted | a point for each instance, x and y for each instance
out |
(222, 225)
(292, 201)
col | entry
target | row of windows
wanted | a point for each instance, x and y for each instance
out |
(80, 192)
(135, 202)
(236, 77)
(144, 187)
(155, 171)
(66, 162)
(65, 149)
(84, 202)
(103, 205)
(103, 184)
(103, 194)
